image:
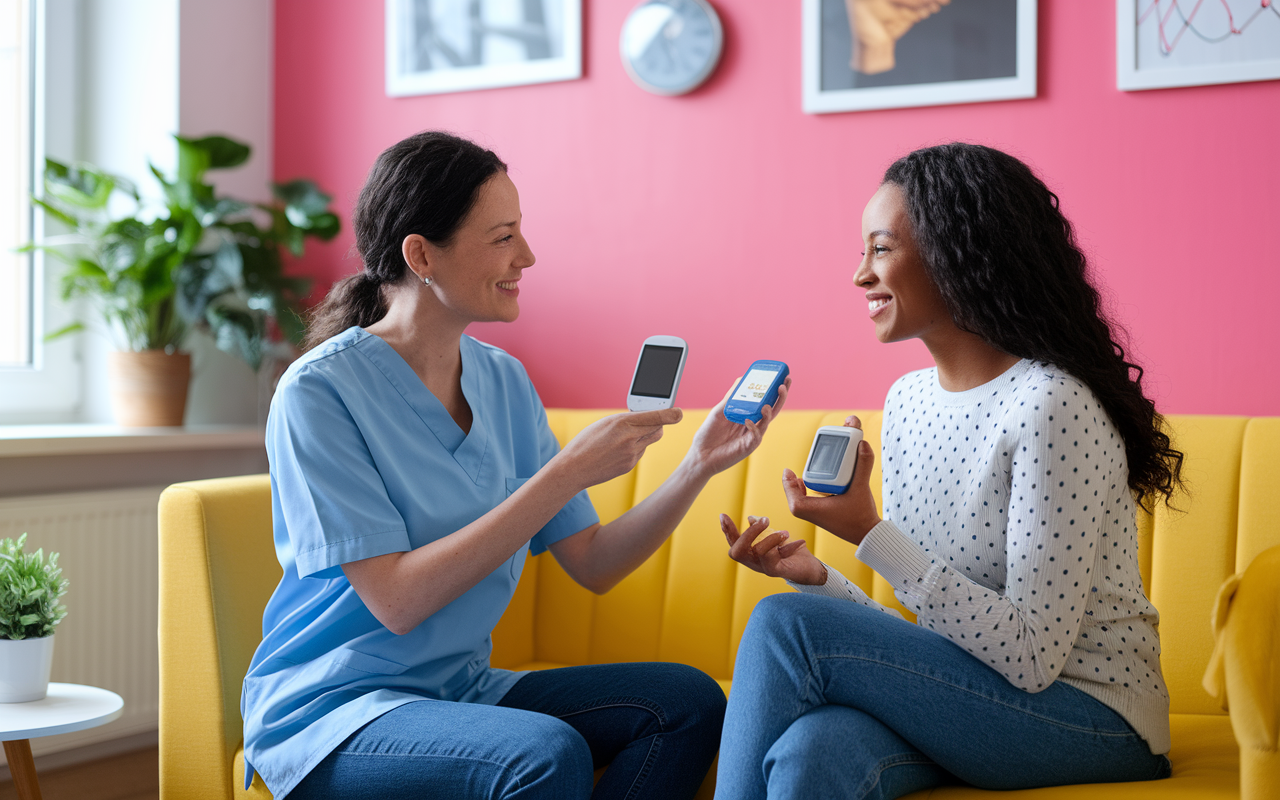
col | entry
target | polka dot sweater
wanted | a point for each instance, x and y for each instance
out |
(1009, 528)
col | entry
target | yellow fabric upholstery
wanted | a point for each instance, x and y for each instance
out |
(1244, 673)
(217, 570)
(689, 603)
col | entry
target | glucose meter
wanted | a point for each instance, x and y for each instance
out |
(832, 458)
(758, 388)
(657, 375)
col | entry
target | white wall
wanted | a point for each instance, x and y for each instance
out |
(225, 52)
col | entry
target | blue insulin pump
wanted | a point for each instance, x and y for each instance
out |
(832, 458)
(759, 387)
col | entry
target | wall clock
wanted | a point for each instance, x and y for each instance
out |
(671, 47)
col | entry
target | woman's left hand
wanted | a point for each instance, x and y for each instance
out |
(719, 443)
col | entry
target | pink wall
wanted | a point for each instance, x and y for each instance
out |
(731, 218)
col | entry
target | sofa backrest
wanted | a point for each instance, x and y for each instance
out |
(218, 568)
(690, 603)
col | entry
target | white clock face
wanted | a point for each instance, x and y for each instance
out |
(671, 46)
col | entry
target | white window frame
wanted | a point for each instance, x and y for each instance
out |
(50, 388)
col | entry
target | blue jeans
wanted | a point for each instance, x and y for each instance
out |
(832, 699)
(657, 726)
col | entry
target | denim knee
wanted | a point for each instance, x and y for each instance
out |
(690, 697)
(779, 616)
(556, 760)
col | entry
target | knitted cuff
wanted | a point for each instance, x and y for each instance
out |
(837, 586)
(889, 552)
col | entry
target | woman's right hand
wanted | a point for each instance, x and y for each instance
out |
(774, 555)
(611, 446)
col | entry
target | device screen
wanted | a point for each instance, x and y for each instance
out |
(827, 453)
(755, 385)
(656, 372)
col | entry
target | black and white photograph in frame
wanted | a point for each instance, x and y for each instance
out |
(869, 54)
(1161, 44)
(436, 46)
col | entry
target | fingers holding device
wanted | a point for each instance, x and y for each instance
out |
(757, 389)
(832, 459)
(657, 375)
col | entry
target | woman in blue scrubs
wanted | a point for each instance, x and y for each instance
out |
(412, 469)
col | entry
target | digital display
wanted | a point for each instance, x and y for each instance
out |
(755, 385)
(656, 372)
(827, 452)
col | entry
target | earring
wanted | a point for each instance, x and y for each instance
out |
(427, 281)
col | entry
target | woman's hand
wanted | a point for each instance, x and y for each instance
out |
(850, 515)
(611, 446)
(774, 555)
(719, 443)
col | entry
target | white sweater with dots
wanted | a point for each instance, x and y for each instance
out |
(1009, 528)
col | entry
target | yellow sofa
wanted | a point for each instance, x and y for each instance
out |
(690, 603)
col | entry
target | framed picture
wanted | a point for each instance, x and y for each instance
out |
(865, 54)
(436, 46)
(1164, 43)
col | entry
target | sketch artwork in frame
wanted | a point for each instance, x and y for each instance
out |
(1166, 43)
(436, 46)
(866, 54)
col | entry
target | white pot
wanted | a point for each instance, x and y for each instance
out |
(24, 669)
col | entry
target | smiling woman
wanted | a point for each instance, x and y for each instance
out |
(1011, 476)
(413, 469)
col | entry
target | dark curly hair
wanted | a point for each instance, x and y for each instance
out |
(426, 184)
(998, 247)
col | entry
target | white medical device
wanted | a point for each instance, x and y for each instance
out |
(832, 458)
(658, 371)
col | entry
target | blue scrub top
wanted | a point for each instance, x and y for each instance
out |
(366, 461)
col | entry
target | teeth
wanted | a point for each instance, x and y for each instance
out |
(874, 304)
(506, 284)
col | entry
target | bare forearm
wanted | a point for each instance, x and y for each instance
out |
(613, 551)
(403, 589)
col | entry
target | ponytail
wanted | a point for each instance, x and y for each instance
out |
(354, 300)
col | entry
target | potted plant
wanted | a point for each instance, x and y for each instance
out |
(30, 609)
(203, 262)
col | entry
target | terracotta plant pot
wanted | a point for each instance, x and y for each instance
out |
(149, 388)
(24, 669)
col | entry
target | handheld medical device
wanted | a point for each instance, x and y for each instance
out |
(832, 458)
(759, 387)
(658, 371)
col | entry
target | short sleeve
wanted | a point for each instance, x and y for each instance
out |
(330, 498)
(579, 513)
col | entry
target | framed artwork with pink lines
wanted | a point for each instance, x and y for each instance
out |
(1165, 43)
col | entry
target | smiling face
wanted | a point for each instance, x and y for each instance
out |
(475, 277)
(902, 299)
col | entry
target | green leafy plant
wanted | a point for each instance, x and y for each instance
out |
(29, 591)
(202, 262)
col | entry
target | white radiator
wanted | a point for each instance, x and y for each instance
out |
(107, 542)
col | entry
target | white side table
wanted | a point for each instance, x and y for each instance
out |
(68, 707)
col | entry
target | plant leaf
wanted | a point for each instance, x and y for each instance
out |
(64, 330)
(80, 185)
(56, 213)
(220, 151)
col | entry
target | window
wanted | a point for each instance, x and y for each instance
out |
(16, 286)
(39, 381)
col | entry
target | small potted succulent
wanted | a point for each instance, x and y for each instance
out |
(30, 609)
